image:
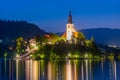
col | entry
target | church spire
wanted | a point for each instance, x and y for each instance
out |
(70, 18)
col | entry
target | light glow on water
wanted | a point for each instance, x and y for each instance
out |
(75, 72)
(27, 69)
(31, 69)
(115, 73)
(70, 70)
(114, 69)
(35, 70)
(5, 67)
(82, 69)
(17, 70)
(49, 72)
(86, 64)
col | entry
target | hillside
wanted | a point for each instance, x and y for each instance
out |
(10, 30)
(103, 35)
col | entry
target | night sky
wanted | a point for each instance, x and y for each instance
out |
(52, 15)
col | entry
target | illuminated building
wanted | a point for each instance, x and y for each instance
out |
(71, 33)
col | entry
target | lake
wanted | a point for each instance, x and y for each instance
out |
(58, 70)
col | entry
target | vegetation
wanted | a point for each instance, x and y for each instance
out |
(54, 47)
(20, 45)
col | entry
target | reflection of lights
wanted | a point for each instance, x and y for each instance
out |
(16, 69)
(82, 72)
(27, 68)
(115, 73)
(68, 71)
(86, 61)
(31, 70)
(5, 67)
(75, 72)
(35, 70)
(112, 70)
(49, 71)
(102, 66)
(90, 70)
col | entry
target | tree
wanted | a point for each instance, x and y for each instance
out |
(81, 36)
(54, 37)
(20, 45)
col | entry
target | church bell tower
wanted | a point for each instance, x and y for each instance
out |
(69, 28)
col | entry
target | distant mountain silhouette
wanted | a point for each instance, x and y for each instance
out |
(10, 30)
(103, 35)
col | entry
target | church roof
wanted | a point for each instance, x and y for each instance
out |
(70, 18)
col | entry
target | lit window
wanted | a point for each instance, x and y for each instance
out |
(68, 26)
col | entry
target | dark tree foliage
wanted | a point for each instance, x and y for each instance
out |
(10, 30)
(60, 48)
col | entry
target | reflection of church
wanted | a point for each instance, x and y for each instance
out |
(71, 33)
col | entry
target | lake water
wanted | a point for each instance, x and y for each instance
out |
(54, 70)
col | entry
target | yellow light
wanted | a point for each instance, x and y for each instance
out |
(5, 54)
(69, 55)
(36, 47)
(68, 71)
(17, 55)
(76, 56)
(31, 55)
(86, 55)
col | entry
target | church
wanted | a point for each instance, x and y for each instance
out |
(70, 33)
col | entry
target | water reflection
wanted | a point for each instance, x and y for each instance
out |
(68, 71)
(82, 69)
(75, 71)
(16, 69)
(51, 70)
(86, 67)
(113, 74)
(5, 63)
(32, 70)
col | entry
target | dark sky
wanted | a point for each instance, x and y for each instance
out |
(52, 15)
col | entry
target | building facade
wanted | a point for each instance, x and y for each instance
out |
(70, 30)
